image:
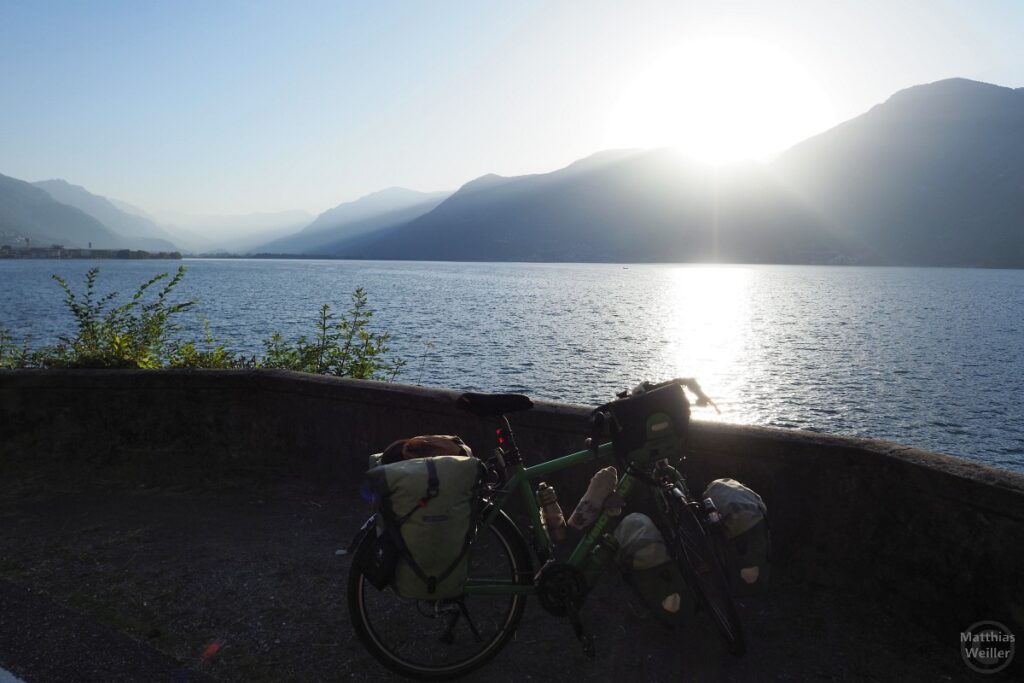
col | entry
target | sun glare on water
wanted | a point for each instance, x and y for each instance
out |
(720, 101)
(707, 325)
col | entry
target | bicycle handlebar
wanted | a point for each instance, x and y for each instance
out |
(688, 382)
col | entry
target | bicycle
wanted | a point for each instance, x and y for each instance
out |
(421, 639)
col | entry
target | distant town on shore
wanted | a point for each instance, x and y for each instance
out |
(58, 251)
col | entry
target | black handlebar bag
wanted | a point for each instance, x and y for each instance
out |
(649, 426)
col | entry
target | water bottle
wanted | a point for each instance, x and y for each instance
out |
(551, 512)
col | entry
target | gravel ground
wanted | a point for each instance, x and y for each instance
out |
(241, 585)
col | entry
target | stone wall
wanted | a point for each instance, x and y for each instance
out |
(941, 532)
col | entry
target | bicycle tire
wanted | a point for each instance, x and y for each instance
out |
(393, 651)
(694, 550)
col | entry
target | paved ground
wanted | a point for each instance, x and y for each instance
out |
(238, 585)
(43, 641)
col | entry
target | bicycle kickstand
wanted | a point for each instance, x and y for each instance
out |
(448, 636)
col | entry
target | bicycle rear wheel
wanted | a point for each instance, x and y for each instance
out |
(438, 640)
(693, 548)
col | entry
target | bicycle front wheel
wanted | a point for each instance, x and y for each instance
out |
(693, 548)
(443, 639)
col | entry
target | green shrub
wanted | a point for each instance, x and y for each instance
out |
(135, 334)
(14, 355)
(209, 354)
(143, 333)
(344, 347)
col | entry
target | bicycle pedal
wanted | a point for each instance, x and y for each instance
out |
(587, 641)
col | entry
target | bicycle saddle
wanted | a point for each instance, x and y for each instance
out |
(493, 405)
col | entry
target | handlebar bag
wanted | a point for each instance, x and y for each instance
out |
(745, 526)
(648, 568)
(428, 507)
(649, 426)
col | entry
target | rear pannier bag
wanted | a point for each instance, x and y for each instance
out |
(745, 526)
(648, 568)
(428, 509)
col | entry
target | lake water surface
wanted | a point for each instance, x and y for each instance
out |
(932, 358)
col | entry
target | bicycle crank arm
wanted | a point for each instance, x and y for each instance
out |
(586, 640)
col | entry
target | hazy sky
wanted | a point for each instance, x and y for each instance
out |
(233, 107)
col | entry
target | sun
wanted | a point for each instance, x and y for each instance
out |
(720, 100)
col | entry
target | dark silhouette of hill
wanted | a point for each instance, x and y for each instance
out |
(933, 176)
(382, 209)
(613, 206)
(29, 212)
(137, 231)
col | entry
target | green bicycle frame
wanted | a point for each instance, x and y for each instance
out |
(519, 481)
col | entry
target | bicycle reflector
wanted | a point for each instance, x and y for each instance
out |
(649, 426)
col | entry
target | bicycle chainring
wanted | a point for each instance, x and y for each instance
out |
(561, 588)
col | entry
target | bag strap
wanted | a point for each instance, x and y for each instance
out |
(433, 488)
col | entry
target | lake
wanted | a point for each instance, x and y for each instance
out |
(927, 357)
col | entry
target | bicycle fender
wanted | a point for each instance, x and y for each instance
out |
(363, 530)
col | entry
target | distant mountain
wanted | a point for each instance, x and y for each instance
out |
(614, 206)
(933, 176)
(30, 213)
(137, 231)
(383, 209)
(236, 233)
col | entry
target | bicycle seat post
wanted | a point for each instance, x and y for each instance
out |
(511, 454)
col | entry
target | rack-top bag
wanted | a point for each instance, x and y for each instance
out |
(427, 509)
(426, 446)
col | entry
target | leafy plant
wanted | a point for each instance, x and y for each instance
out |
(135, 334)
(210, 354)
(14, 355)
(344, 347)
(143, 333)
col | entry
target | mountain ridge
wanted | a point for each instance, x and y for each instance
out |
(137, 231)
(28, 214)
(933, 175)
(377, 210)
(940, 160)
